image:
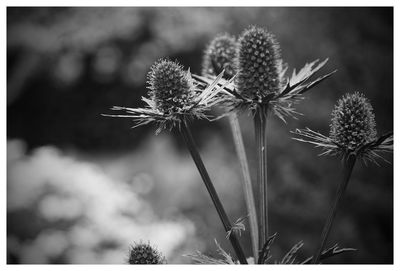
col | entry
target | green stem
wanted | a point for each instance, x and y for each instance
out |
(348, 164)
(260, 124)
(247, 187)
(187, 135)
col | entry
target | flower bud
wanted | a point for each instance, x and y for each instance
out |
(169, 85)
(220, 55)
(353, 122)
(259, 65)
(144, 254)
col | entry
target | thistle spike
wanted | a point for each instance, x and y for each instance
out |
(259, 64)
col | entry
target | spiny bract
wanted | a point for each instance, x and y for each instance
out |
(259, 64)
(220, 55)
(144, 254)
(353, 122)
(170, 87)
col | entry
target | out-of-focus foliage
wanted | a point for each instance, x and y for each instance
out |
(65, 210)
(66, 66)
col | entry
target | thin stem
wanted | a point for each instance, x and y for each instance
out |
(260, 124)
(247, 187)
(187, 135)
(348, 164)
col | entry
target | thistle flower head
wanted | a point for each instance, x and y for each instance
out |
(174, 97)
(352, 131)
(145, 254)
(220, 55)
(259, 64)
(170, 87)
(353, 122)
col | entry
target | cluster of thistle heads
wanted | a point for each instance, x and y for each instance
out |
(260, 77)
(255, 58)
(248, 74)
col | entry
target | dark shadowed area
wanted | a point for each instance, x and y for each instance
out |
(81, 187)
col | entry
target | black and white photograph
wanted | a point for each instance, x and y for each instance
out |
(199, 135)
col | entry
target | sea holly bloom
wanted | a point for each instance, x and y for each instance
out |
(352, 131)
(220, 55)
(353, 122)
(174, 97)
(142, 253)
(261, 81)
(352, 136)
(170, 87)
(259, 64)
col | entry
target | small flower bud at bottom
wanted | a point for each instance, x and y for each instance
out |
(144, 254)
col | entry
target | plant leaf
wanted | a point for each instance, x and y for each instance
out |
(264, 253)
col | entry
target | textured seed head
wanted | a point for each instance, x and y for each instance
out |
(353, 122)
(144, 254)
(259, 64)
(169, 86)
(220, 55)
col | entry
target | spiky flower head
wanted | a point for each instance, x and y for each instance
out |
(352, 131)
(142, 253)
(259, 64)
(220, 55)
(353, 122)
(174, 97)
(170, 87)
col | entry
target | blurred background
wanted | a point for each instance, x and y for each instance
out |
(81, 188)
